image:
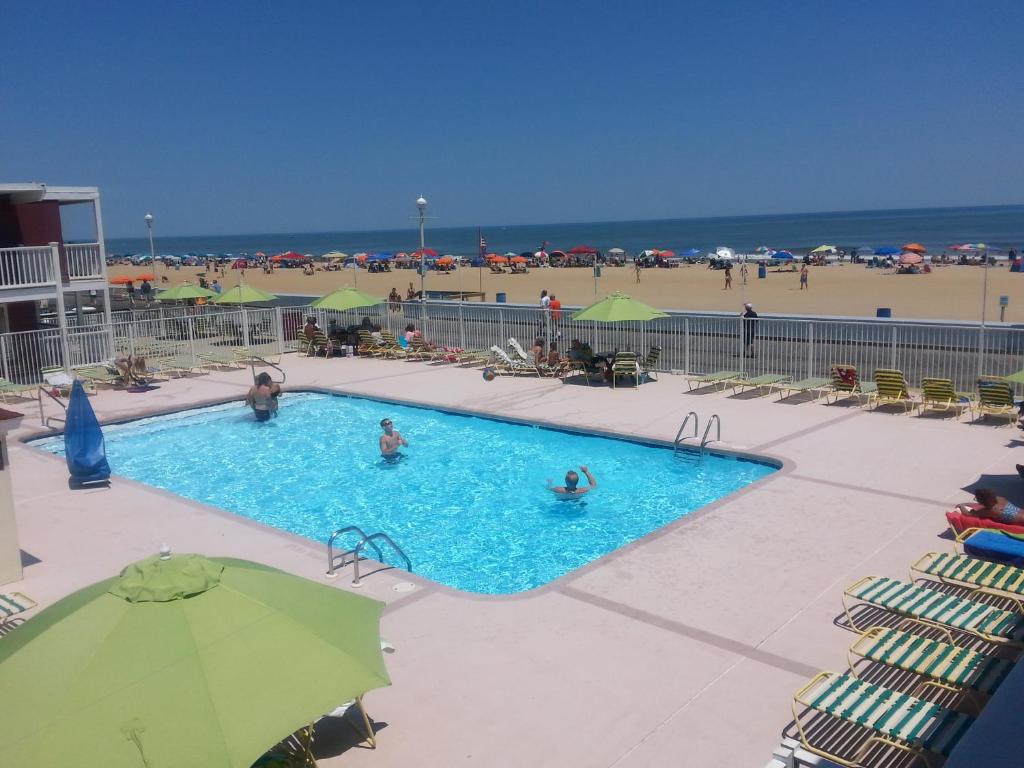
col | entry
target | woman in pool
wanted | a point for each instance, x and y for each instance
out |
(262, 397)
(993, 507)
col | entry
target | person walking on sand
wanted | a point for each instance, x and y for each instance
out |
(728, 278)
(636, 268)
(803, 278)
(743, 273)
(571, 490)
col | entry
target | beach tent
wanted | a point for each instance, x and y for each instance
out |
(239, 264)
(184, 660)
(84, 449)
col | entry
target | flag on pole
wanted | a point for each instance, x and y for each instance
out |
(483, 244)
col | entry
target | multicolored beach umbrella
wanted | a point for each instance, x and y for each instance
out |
(183, 661)
(618, 308)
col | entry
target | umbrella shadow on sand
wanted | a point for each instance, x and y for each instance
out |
(333, 736)
(1010, 486)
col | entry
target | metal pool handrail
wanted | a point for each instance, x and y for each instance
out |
(363, 539)
(718, 431)
(679, 435)
(369, 540)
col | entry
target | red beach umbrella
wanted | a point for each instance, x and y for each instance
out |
(583, 249)
(910, 258)
(666, 254)
(428, 252)
(915, 248)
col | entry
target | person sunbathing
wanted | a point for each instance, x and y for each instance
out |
(993, 507)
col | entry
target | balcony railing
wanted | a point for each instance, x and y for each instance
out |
(26, 267)
(84, 261)
(33, 267)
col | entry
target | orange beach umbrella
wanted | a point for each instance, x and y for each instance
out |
(914, 248)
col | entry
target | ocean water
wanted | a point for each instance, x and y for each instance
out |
(1000, 227)
(467, 502)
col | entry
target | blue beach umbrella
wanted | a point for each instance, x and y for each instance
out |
(691, 252)
(379, 257)
(782, 255)
(84, 450)
(886, 250)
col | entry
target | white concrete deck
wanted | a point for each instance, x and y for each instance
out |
(682, 649)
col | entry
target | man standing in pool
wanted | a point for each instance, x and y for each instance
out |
(391, 440)
(570, 490)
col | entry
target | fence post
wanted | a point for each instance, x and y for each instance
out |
(131, 338)
(279, 328)
(462, 327)
(3, 357)
(501, 325)
(810, 349)
(191, 339)
(981, 350)
(743, 346)
(892, 349)
(686, 345)
(62, 320)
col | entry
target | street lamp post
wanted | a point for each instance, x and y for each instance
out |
(149, 225)
(421, 204)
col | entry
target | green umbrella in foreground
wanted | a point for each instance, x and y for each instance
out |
(243, 294)
(183, 661)
(345, 298)
(618, 308)
(183, 292)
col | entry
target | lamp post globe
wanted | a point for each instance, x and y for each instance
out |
(148, 218)
(421, 204)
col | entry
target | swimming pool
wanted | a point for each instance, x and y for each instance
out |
(467, 502)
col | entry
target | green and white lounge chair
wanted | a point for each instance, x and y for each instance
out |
(973, 573)
(97, 374)
(626, 365)
(940, 664)
(938, 609)
(894, 719)
(13, 603)
(767, 381)
(9, 389)
(506, 364)
(217, 360)
(716, 379)
(815, 385)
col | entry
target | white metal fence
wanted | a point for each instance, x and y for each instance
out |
(26, 267)
(183, 336)
(84, 261)
(801, 347)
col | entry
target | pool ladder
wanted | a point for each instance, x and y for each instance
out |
(714, 421)
(356, 553)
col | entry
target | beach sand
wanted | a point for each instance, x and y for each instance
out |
(952, 293)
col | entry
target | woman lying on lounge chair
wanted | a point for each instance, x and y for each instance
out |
(993, 507)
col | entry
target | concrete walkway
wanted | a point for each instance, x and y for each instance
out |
(681, 649)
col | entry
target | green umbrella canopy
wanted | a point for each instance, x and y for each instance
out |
(184, 291)
(243, 294)
(617, 308)
(345, 298)
(186, 661)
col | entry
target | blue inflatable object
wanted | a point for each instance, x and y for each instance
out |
(84, 450)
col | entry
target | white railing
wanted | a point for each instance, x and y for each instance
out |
(83, 261)
(185, 337)
(26, 267)
(800, 347)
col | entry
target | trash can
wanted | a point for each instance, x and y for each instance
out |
(883, 312)
(500, 298)
(762, 271)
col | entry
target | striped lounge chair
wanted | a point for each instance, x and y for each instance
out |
(995, 398)
(939, 395)
(716, 379)
(891, 389)
(938, 609)
(815, 385)
(11, 604)
(895, 719)
(767, 381)
(942, 665)
(973, 573)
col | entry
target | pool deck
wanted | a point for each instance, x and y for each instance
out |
(681, 649)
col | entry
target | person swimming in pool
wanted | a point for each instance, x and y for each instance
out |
(391, 440)
(571, 489)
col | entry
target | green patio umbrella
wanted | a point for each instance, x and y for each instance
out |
(183, 661)
(183, 292)
(243, 294)
(618, 308)
(345, 298)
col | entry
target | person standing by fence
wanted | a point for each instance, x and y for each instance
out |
(749, 329)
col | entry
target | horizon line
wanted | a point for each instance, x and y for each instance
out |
(586, 223)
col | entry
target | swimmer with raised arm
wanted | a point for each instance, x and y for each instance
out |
(571, 490)
(391, 440)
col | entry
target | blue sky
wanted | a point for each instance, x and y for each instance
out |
(261, 117)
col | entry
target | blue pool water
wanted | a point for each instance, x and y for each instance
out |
(467, 503)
